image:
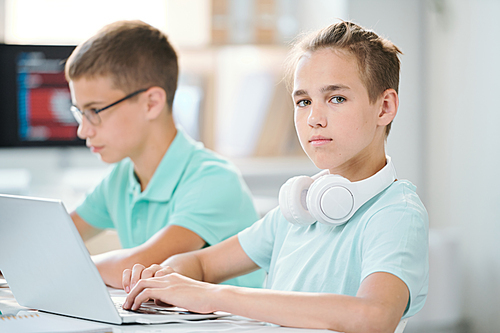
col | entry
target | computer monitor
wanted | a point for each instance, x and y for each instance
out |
(34, 97)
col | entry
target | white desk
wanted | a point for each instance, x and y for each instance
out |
(8, 305)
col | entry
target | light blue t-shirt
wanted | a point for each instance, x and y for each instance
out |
(387, 234)
(192, 187)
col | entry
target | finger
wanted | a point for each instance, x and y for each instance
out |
(144, 296)
(161, 303)
(164, 271)
(150, 271)
(127, 274)
(136, 274)
(133, 299)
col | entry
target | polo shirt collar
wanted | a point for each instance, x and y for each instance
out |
(169, 172)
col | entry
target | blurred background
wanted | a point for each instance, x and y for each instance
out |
(232, 98)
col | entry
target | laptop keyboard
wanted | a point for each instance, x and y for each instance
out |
(149, 308)
(121, 310)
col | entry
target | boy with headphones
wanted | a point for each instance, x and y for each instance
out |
(166, 194)
(355, 257)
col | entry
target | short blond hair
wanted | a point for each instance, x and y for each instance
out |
(377, 57)
(133, 54)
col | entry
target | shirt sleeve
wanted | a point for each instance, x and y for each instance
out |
(214, 203)
(396, 241)
(94, 209)
(258, 241)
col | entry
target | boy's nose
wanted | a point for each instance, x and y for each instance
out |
(85, 129)
(317, 117)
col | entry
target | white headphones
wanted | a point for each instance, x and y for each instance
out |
(330, 199)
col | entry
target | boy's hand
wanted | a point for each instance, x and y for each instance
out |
(132, 276)
(172, 288)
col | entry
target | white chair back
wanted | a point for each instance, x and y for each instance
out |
(401, 326)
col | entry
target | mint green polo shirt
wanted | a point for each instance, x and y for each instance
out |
(192, 187)
(389, 233)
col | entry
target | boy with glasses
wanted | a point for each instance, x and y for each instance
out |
(166, 194)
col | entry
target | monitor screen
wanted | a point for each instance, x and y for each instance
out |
(34, 97)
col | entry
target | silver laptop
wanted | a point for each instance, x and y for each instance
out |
(48, 267)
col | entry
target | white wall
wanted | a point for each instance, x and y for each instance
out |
(58, 173)
(463, 143)
(72, 21)
(2, 20)
(317, 14)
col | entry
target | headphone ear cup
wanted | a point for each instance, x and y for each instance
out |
(292, 200)
(330, 201)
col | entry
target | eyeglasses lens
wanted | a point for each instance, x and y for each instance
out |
(76, 114)
(91, 116)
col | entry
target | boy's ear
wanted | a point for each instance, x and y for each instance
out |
(156, 101)
(389, 103)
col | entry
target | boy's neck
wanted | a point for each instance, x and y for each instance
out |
(362, 167)
(146, 163)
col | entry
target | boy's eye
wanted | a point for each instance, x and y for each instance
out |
(303, 103)
(337, 100)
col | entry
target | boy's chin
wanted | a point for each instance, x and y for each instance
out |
(321, 162)
(107, 159)
(323, 165)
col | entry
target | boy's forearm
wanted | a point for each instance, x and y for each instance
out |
(187, 264)
(111, 265)
(85, 230)
(305, 310)
(164, 244)
(213, 264)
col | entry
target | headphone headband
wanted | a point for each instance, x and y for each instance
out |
(333, 199)
(330, 199)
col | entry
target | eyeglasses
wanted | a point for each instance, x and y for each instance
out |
(92, 115)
